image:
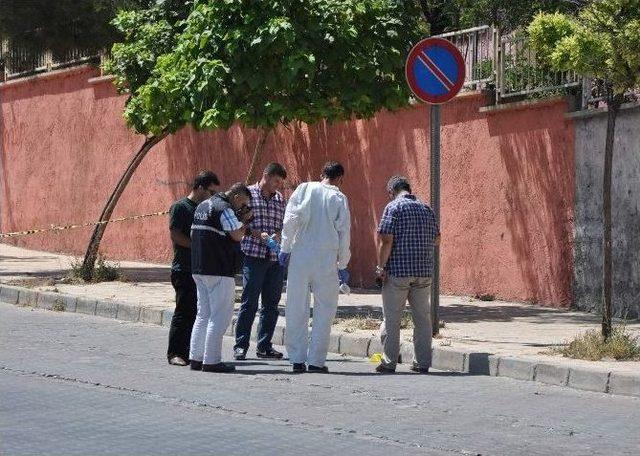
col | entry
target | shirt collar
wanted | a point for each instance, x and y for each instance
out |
(270, 197)
(410, 196)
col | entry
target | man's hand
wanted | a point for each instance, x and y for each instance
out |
(283, 259)
(381, 276)
(247, 217)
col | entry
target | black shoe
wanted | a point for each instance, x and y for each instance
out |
(270, 353)
(419, 370)
(195, 365)
(220, 367)
(299, 368)
(318, 370)
(240, 353)
(382, 369)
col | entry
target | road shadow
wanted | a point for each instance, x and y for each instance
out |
(472, 313)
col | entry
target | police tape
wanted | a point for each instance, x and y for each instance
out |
(81, 225)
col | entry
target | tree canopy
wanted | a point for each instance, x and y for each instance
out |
(263, 63)
(602, 41)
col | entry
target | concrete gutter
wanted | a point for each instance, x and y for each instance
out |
(444, 358)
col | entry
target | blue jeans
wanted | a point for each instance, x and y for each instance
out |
(260, 276)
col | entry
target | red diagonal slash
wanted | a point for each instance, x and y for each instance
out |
(432, 67)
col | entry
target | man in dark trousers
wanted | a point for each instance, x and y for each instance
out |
(262, 275)
(205, 185)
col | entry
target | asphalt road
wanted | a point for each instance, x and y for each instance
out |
(73, 384)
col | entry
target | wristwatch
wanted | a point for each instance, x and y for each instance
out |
(379, 269)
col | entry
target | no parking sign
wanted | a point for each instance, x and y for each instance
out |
(435, 70)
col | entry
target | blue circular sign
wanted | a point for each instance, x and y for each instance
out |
(435, 70)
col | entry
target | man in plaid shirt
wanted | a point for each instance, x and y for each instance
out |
(261, 273)
(407, 235)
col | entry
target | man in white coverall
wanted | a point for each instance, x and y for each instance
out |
(315, 243)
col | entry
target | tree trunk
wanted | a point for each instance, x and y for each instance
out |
(90, 256)
(257, 154)
(613, 103)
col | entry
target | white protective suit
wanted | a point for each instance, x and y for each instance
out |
(316, 232)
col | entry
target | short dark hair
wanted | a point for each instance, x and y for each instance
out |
(204, 179)
(333, 170)
(239, 189)
(398, 184)
(275, 169)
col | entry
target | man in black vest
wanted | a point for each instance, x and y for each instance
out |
(219, 224)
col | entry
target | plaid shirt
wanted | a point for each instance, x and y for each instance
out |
(269, 214)
(414, 228)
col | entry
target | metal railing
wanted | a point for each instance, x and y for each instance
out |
(519, 73)
(21, 61)
(491, 59)
(508, 63)
(477, 48)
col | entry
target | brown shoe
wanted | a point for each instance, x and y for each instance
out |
(177, 361)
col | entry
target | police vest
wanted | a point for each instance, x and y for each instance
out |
(213, 252)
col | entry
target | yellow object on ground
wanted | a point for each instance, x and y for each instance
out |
(376, 358)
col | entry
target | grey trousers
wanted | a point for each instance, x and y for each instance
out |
(395, 293)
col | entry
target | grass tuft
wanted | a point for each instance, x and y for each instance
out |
(591, 346)
(58, 306)
(486, 297)
(103, 271)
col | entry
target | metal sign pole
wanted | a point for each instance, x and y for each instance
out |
(435, 72)
(435, 205)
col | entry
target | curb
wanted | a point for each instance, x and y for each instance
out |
(462, 361)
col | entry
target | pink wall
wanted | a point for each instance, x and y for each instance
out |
(507, 179)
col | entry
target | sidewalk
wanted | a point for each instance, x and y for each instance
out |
(491, 338)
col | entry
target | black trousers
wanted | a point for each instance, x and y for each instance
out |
(183, 316)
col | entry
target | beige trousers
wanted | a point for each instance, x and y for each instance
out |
(395, 293)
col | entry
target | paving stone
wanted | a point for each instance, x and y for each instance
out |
(334, 342)
(354, 345)
(167, 316)
(9, 294)
(231, 329)
(107, 309)
(128, 312)
(516, 368)
(447, 359)
(406, 351)
(86, 306)
(552, 374)
(494, 363)
(590, 380)
(375, 346)
(151, 315)
(69, 302)
(278, 335)
(628, 385)
(62, 302)
(477, 363)
(27, 297)
(254, 330)
(50, 301)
